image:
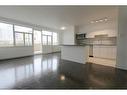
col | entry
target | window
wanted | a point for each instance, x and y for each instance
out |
(28, 39)
(19, 39)
(49, 40)
(37, 37)
(46, 33)
(44, 40)
(47, 37)
(55, 38)
(23, 36)
(6, 35)
(22, 29)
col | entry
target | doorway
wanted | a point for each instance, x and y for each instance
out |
(47, 43)
(37, 42)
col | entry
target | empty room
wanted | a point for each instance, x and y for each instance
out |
(63, 47)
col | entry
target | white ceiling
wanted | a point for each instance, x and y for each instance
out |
(58, 16)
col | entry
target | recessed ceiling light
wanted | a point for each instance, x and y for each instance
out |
(100, 20)
(63, 28)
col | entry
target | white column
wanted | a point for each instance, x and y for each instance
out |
(122, 39)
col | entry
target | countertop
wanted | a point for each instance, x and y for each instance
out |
(89, 45)
(73, 45)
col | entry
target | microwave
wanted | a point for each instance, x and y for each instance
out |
(80, 36)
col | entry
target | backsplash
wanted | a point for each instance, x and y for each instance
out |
(98, 41)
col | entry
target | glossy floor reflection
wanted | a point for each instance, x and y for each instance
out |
(50, 72)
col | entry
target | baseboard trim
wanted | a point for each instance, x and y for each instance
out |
(16, 57)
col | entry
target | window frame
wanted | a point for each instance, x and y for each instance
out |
(32, 36)
(13, 35)
(47, 37)
(25, 39)
(24, 45)
(56, 43)
(22, 27)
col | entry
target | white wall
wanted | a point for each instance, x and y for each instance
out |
(14, 52)
(57, 48)
(68, 36)
(122, 39)
(60, 37)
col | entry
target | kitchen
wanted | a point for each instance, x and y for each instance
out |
(93, 43)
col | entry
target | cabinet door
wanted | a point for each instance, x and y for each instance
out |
(96, 51)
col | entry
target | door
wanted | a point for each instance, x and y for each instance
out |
(50, 46)
(37, 42)
(47, 42)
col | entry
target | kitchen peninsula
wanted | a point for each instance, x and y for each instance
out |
(75, 53)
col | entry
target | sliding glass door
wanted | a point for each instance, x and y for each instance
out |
(37, 42)
(47, 42)
(44, 41)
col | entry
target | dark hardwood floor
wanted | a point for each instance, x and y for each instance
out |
(50, 72)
